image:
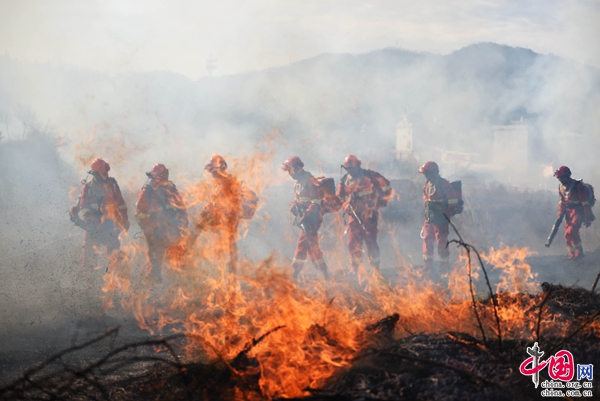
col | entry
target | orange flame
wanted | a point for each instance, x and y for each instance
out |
(223, 311)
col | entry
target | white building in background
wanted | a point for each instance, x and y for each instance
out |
(511, 149)
(404, 139)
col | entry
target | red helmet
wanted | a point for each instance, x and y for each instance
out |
(217, 162)
(429, 166)
(292, 164)
(100, 166)
(563, 171)
(351, 161)
(159, 172)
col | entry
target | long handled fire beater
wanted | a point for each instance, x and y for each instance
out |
(554, 230)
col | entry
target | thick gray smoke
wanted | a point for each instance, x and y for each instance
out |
(54, 120)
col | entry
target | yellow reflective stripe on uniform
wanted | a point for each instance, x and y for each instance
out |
(84, 211)
(574, 202)
(317, 201)
(427, 257)
(122, 207)
(452, 201)
(142, 216)
(304, 199)
(585, 203)
(94, 206)
(386, 188)
(294, 260)
(438, 201)
(363, 193)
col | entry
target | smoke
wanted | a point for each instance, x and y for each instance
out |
(55, 120)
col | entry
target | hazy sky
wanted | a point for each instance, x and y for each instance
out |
(181, 35)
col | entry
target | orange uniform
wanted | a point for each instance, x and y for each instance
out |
(364, 193)
(307, 209)
(102, 207)
(575, 206)
(439, 199)
(163, 218)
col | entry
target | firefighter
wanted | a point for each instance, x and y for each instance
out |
(162, 216)
(306, 208)
(104, 214)
(574, 204)
(440, 200)
(363, 192)
(224, 207)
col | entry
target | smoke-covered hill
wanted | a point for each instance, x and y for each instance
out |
(326, 106)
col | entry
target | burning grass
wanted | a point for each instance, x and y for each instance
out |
(251, 332)
(390, 365)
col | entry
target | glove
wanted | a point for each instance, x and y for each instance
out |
(587, 223)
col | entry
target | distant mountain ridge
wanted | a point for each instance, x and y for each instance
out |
(330, 102)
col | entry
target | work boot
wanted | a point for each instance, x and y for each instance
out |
(297, 269)
(324, 270)
(577, 257)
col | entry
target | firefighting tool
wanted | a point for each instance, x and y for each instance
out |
(357, 218)
(554, 230)
(362, 226)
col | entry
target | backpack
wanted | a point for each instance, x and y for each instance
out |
(249, 203)
(329, 201)
(457, 186)
(590, 193)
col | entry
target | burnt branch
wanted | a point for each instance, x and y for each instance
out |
(539, 320)
(468, 248)
(593, 290)
(473, 293)
(241, 361)
(68, 381)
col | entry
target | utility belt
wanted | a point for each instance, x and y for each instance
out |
(574, 205)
